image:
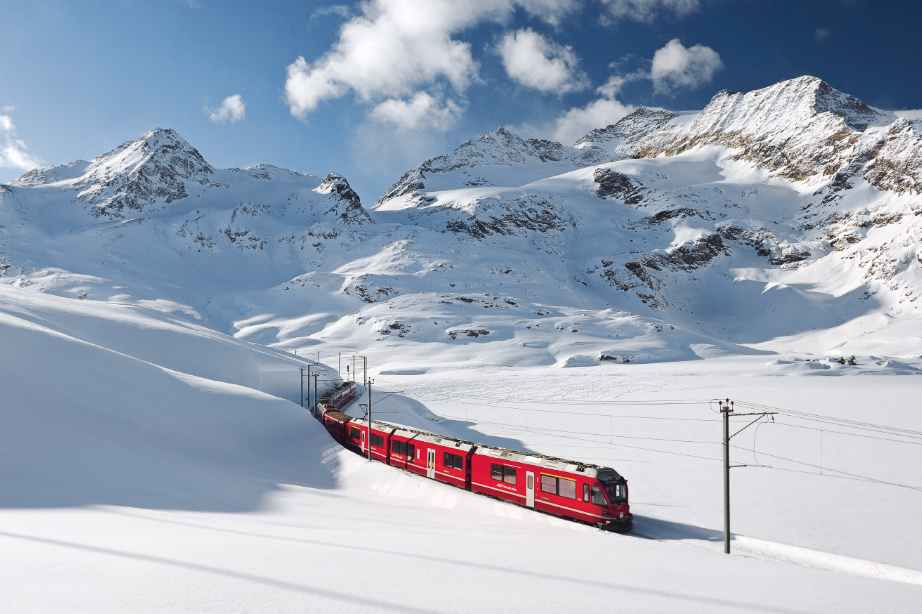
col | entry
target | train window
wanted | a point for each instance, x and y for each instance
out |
(452, 461)
(377, 441)
(411, 450)
(354, 434)
(398, 447)
(502, 473)
(597, 497)
(558, 486)
(617, 492)
(566, 488)
(585, 492)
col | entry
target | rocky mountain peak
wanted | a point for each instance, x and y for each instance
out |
(785, 108)
(498, 148)
(157, 151)
(618, 140)
(348, 206)
(152, 167)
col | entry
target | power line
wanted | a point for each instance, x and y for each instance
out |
(847, 434)
(841, 422)
(520, 401)
(855, 476)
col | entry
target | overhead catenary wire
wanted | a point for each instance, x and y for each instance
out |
(836, 421)
(848, 474)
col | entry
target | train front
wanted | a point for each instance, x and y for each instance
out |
(618, 512)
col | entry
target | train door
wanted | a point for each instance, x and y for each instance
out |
(430, 464)
(529, 489)
(364, 443)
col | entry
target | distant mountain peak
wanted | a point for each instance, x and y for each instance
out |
(794, 100)
(157, 148)
(618, 139)
(152, 167)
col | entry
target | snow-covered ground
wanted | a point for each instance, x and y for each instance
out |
(143, 480)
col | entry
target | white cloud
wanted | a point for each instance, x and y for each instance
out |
(911, 114)
(536, 62)
(422, 110)
(231, 110)
(821, 34)
(341, 11)
(646, 11)
(576, 122)
(395, 46)
(612, 87)
(571, 125)
(13, 151)
(677, 66)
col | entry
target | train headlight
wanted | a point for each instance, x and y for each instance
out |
(621, 515)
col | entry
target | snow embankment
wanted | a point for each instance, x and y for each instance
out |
(107, 404)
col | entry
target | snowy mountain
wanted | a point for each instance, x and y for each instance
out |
(783, 219)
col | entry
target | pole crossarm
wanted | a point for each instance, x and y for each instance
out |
(759, 416)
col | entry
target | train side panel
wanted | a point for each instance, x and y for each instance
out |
(500, 478)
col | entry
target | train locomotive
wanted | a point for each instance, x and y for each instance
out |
(569, 489)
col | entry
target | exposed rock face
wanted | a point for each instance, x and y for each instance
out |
(154, 168)
(897, 163)
(510, 216)
(348, 205)
(614, 184)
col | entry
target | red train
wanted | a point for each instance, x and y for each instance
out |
(569, 489)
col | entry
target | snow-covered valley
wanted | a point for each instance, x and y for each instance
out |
(587, 301)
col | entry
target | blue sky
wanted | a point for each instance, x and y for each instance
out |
(385, 84)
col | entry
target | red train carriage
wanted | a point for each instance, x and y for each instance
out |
(335, 422)
(439, 458)
(341, 396)
(587, 493)
(358, 439)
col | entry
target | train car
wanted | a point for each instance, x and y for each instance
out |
(335, 422)
(359, 441)
(342, 396)
(438, 458)
(578, 491)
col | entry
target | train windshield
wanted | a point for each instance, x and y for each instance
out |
(617, 492)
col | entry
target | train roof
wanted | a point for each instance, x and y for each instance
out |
(448, 442)
(551, 462)
(335, 414)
